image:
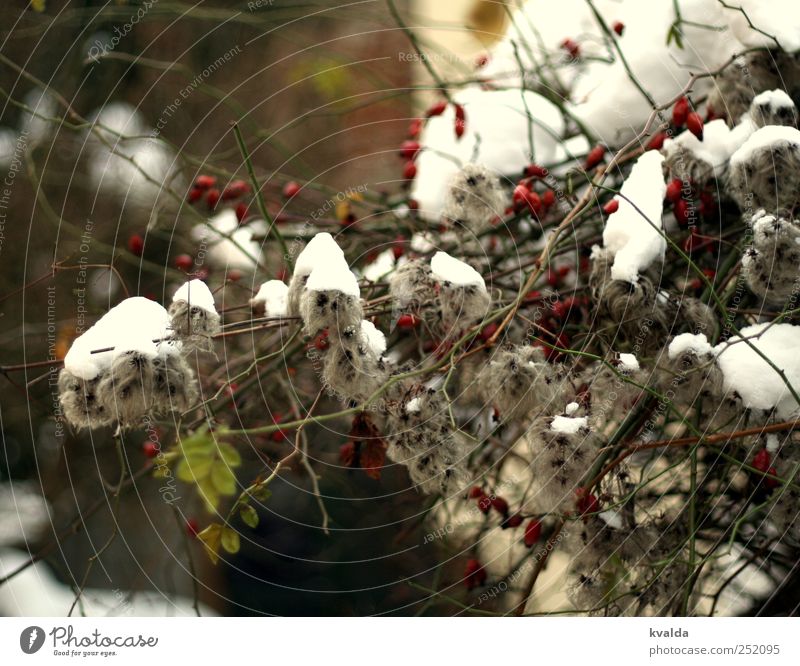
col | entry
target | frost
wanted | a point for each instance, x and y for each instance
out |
(384, 264)
(273, 296)
(196, 292)
(456, 272)
(628, 234)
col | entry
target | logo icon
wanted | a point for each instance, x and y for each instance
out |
(31, 639)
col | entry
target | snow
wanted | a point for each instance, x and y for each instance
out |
(196, 292)
(413, 406)
(608, 101)
(773, 443)
(766, 138)
(273, 295)
(384, 264)
(228, 244)
(778, 18)
(688, 342)
(635, 242)
(333, 274)
(8, 146)
(422, 242)
(132, 325)
(496, 137)
(612, 518)
(36, 592)
(773, 98)
(571, 408)
(24, 513)
(320, 249)
(718, 144)
(35, 126)
(568, 425)
(449, 269)
(135, 166)
(747, 373)
(373, 337)
(628, 363)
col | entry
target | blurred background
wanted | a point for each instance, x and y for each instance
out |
(322, 93)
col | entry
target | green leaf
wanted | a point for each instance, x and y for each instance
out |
(229, 454)
(200, 440)
(230, 540)
(194, 472)
(209, 494)
(261, 493)
(249, 515)
(223, 478)
(211, 537)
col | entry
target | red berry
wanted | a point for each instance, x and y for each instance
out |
(407, 321)
(291, 189)
(484, 503)
(536, 171)
(683, 212)
(694, 123)
(586, 502)
(409, 170)
(195, 194)
(150, 449)
(657, 141)
(212, 198)
(460, 127)
(762, 460)
(398, 247)
(409, 149)
(321, 342)
(488, 331)
(414, 128)
(680, 112)
(771, 483)
(533, 531)
(674, 190)
(204, 182)
(524, 196)
(192, 528)
(475, 492)
(500, 505)
(184, 262)
(611, 207)
(474, 574)
(412, 204)
(595, 156)
(571, 47)
(241, 211)
(548, 198)
(136, 245)
(235, 189)
(234, 275)
(514, 520)
(618, 27)
(436, 110)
